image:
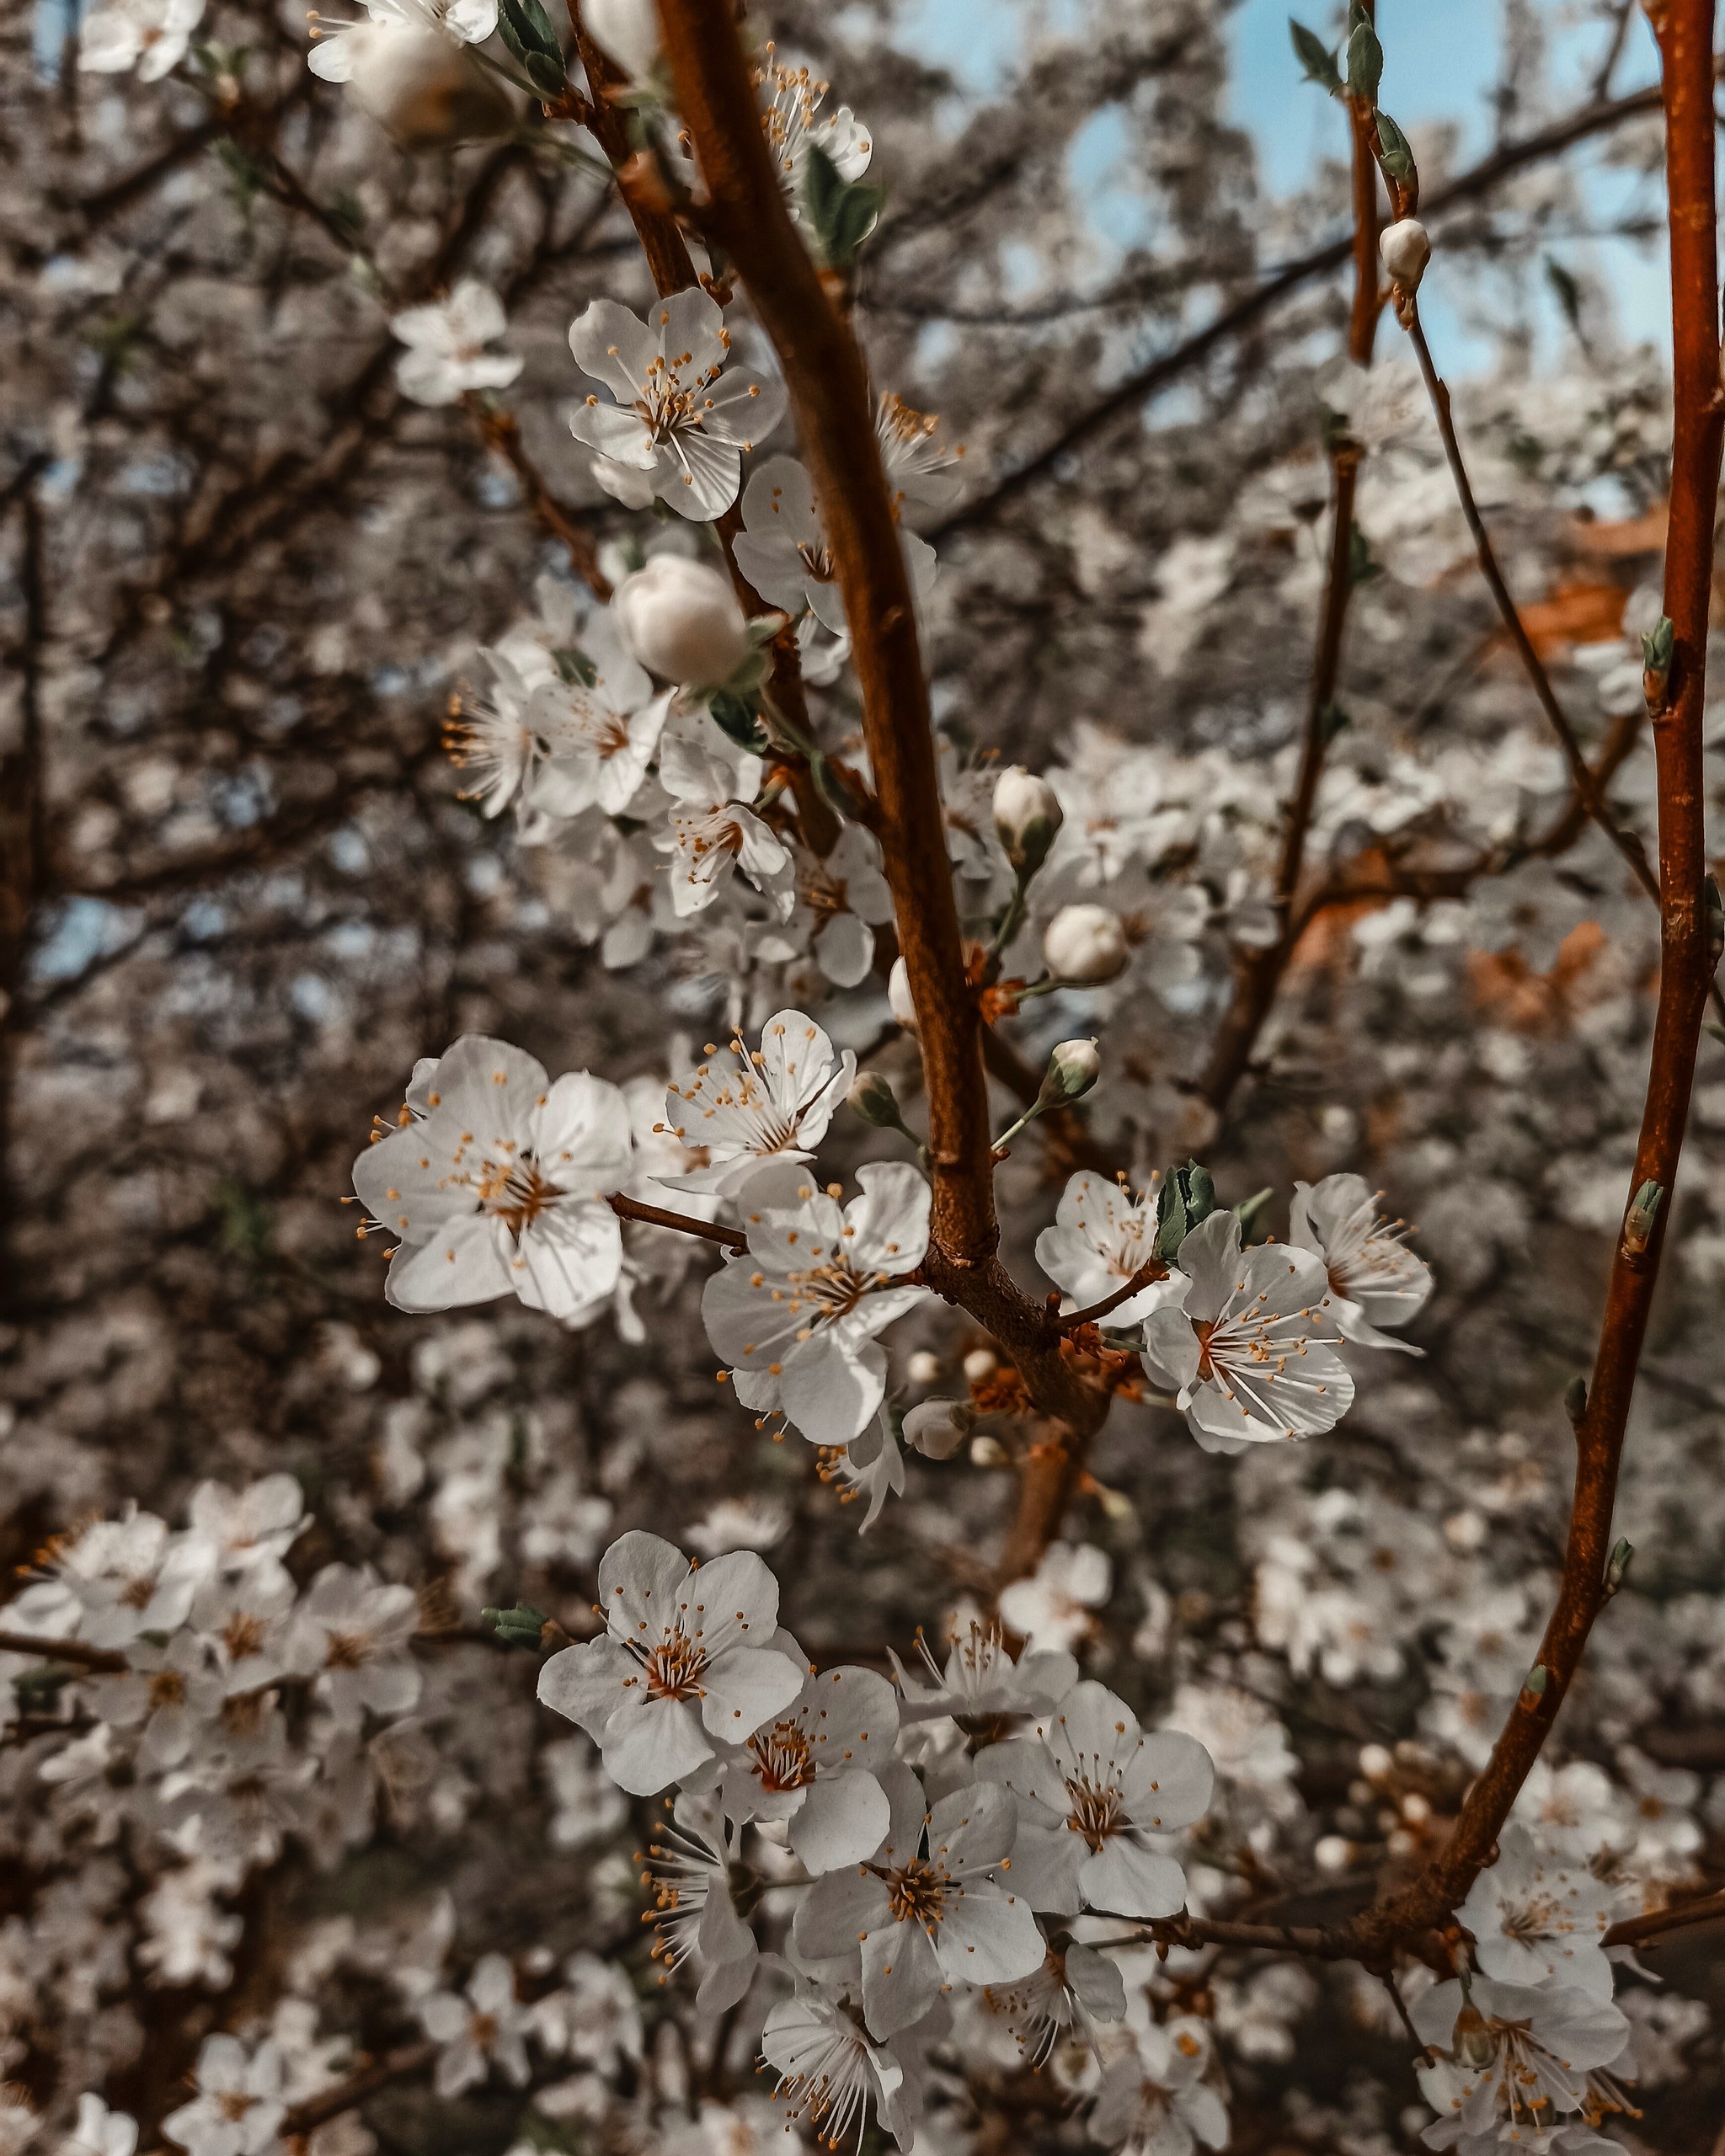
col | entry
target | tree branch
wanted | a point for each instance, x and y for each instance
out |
(829, 388)
(1685, 34)
(77, 1652)
(685, 1223)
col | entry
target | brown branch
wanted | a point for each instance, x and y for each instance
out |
(1627, 843)
(1142, 1279)
(1258, 973)
(77, 1652)
(1594, 118)
(501, 432)
(1686, 28)
(829, 388)
(1630, 1931)
(355, 2088)
(685, 1223)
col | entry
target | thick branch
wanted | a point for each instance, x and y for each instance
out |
(1705, 1908)
(1685, 31)
(76, 1652)
(829, 392)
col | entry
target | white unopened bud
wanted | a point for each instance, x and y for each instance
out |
(681, 621)
(923, 1368)
(1085, 944)
(423, 89)
(980, 1365)
(1027, 814)
(1377, 1764)
(1073, 1068)
(898, 994)
(626, 31)
(937, 1427)
(1405, 250)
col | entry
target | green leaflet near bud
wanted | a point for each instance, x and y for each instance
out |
(1638, 1222)
(843, 213)
(520, 1627)
(1658, 644)
(1316, 57)
(525, 28)
(1617, 1568)
(1366, 62)
(736, 718)
(1575, 1399)
(1188, 1197)
(1536, 1678)
(1393, 152)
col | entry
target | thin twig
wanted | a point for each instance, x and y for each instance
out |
(1632, 1931)
(1145, 1277)
(685, 1223)
(77, 1652)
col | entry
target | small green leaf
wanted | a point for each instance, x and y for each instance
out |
(842, 212)
(736, 718)
(1333, 720)
(1363, 565)
(522, 1626)
(1393, 152)
(1366, 62)
(1315, 57)
(1568, 290)
(525, 28)
(573, 665)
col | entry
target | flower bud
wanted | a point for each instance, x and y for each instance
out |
(873, 1099)
(898, 994)
(980, 1365)
(423, 89)
(923, 1368)
(1073, 1068)
(627, 31)
(937, 1427)
(1086, 945)
(1405, 250)
(681, 621)
(1027, 814)
(1472, 2042)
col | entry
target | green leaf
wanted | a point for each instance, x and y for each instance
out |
(1333, 720)
(1366, 62)
(1393, 152)
(1188, 1197)
(735, 717)
(1568, 290)
(842, 212)
(573, 665)
(526, 29)
(1363, 565)
(1316, 57)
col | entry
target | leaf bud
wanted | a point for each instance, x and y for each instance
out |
(1658, 644)
(1575, 1399)
(1638, 1222)
(1617, 1567)
(523, 1626)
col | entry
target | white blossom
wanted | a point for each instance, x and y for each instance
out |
(149, 35)
(600, 726)
(1515, 2060)
(238, 2108)
(501, 1187)
(1056, 1606)
(712, 831)
(930, 1910)
(795, 1317)
(1375, 1280)
(1092, 1792)
(813, 1765)
(1534, 1921)
(446, 340)
(486, 2028)
(680, 619)
(773, 1103)
(100, 2132)
(687, 1658)
(1249, 1345)
(681, 415)
(352, 1630)
(1103, 1238)
(1155, 2100)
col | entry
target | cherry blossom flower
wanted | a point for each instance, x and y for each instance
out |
(245, 1620)
(1513, 2058)
(151, 36)
(493, 738)
(446, 340)
(410, 67)
(486, 2029)
(982, 1681)
(813, 1765)
(1248, 1344)
(170, 1689)
(238, 2108)
(929, 1911)
(252, 1528)
(918, 467)
(773, 1103)
(1074, 1982)
(687, 1658)
(682, 417)
(1092, 1790)
(794, 125)
(1056, 1607)
(335, 46)
(831, 2073)
(1103, 1238)
(711, 830)
(130, 1576)
(1575, 1810)
(844, 898)
(501, 1187)
(784, 551)
(1155, 2101)
(688, 1873)
(795, 1317)
(1535, 1922)
(600, 727)
(868, 1470)
(353, 1631)
(100, 2132)
(1375, 1280)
